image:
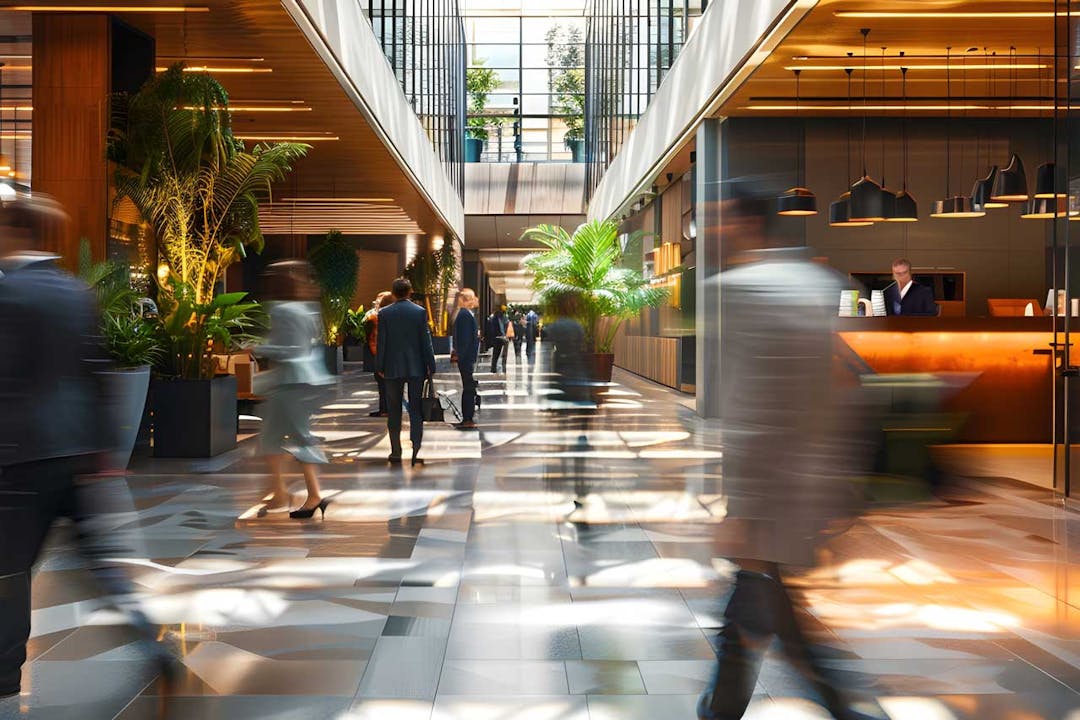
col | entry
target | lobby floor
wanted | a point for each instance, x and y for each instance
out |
(474, 587)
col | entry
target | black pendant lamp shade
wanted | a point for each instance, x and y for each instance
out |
(797, 201)
(980, 193)
(1011, 183)
(840, 214)
(907, 209)
(1046, 182)
(957, 206)
(1048, 209)
(865, 203)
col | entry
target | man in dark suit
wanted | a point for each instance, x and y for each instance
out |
(405, 357)
(907, 297)
(53, 436)
(532, 332)
(467, 347)
(497, 340)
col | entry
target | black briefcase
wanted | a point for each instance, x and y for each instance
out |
(430, 405)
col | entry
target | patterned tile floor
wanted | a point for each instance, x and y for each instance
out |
(474, 587)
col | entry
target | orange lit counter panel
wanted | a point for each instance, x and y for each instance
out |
(1012, 399)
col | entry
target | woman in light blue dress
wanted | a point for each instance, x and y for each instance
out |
(292, 386)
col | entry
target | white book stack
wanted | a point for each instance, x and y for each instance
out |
(849, 302)
(877, 300)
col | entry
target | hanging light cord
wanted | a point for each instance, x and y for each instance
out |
(848, 71)
(883, 101)
(948, 120)
(903, 122)
(865, 32)
(799, 150)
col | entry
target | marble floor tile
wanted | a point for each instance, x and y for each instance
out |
(604, 677)
(502, 707)
(503, 677)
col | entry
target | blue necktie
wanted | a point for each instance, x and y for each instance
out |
(896, 308)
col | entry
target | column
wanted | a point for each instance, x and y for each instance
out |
(71, 80)
(708, 175)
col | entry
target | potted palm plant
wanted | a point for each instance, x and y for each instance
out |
(566, 63)
(132, 345)
(433, 274)
(199, 189)
(335, 264)
(586, 264)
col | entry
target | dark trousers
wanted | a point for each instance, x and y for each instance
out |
(497, 349)
(468, 391)
(530, 350)
(759, 610)
(32, 496)
(395, 393)
(517, 346)
(382, 393)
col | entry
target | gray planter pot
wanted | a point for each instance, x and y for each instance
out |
(125, 397)
(335, 359)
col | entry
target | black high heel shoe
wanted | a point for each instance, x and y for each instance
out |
(305, 514)
(417, 460)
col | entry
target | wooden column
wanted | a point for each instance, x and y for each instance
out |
(71, 105)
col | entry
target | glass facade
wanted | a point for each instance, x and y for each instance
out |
(424, 42)
(629, 47)
(527, 74)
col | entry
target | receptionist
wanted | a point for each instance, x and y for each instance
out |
(907, 297)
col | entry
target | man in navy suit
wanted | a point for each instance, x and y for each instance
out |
(467, 347)
(405, 357)
(907, 297)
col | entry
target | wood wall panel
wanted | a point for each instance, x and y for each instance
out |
(377, 270)
(71, 61)
(655, 358)
(671, 214)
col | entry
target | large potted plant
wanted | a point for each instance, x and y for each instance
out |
(566, 64)
(199, 190)
(132, 346)
(433, 274)
(335, 264)
(586, 264)
(479, 83)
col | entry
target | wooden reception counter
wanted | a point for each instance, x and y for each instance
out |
(1011, 400)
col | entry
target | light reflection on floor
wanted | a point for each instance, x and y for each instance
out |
(561, 562)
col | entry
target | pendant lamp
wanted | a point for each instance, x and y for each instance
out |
(840, 209)
(865, 202)
(952, 206)
(1011, 183)
(907, 209)
(797, 201)
(1048, 209)
(1046, 182)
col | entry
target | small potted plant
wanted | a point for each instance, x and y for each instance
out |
(335, 264)
(566, 61)
(356, 332)
(479, 83)
(132, 345)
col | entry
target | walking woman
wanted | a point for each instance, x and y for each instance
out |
(292, 385)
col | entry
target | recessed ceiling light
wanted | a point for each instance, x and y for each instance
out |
(204, 68)
(937, 14)
(108, 8)
(909, 66)
(289, 138)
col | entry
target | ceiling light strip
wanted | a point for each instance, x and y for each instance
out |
(942, 14)
(926, 66)
(289, 138)
(108, 8)
(208, 69)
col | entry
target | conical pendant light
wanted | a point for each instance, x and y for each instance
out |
(951, 206)
(1048, 209)
(1011, 183)
(865, 202)
(907, 209)
(1046, 182)
(797, 201)
(840, 209)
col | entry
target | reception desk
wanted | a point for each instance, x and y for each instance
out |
(1011, 400)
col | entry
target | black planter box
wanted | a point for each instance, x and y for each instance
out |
(335, 360)
(194, 418)
(441, 344)
(355, 353)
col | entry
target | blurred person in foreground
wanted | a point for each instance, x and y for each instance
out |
(790, 449)
(292, 384)
(467, 350)
(383, 299)
(54, 436)
(405, 357)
